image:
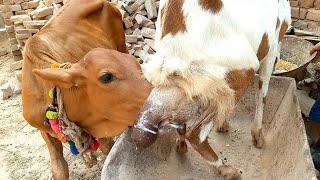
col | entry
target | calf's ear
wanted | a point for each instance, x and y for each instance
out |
(63, 78)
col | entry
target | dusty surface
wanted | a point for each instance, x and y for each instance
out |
(286, 155)
(23, 153)
(295, 50)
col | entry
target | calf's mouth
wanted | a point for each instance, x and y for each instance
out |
(163, 107)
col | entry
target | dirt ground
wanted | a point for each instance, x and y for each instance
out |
(23, 152)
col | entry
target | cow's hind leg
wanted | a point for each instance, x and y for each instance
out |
(223, 108)
(205, 150)
(59, 165)
(265, 72)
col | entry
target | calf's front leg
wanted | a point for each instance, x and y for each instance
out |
(205, 150)
(106, 145)
(59, 166)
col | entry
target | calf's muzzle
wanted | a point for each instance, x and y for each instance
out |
(145, 132)
(157, 109)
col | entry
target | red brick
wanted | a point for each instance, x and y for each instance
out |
(7, 15)
(303, 13)
(17, 58)
(6, 8)
(6, 2)
(295, 12)
(30, 5)
(8, 22)
(306, 3)
(294, 3)
(313, 15)
(317, 4)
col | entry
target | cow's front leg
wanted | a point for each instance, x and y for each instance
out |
(223, 108)
(265, 72)
(205, 150)
(256, 130)
(59, 166)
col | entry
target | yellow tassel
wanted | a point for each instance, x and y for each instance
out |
(51, 93)
(55, 65)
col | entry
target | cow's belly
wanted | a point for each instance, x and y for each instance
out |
(232, 51)
(230, 38)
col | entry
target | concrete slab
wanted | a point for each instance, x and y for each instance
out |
(286, 155)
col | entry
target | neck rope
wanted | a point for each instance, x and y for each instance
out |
(80, 142)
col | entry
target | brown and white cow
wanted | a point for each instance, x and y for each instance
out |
(102, 91)
(208, 52)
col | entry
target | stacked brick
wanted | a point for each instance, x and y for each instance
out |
(22, 19)
(139, 18)
(306, 14)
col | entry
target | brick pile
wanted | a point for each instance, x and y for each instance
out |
(22, 19)
(139, 18)
(306, 14)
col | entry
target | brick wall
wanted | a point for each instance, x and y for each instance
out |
(306, 14)
(22, 19)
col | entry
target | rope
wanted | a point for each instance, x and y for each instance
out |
(80, 142)
(74, 133)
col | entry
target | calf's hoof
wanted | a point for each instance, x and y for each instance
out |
(223, 128)
(228, 172)
(257, 138)
(182, 147)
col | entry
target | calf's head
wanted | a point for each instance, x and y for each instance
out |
(103, 92)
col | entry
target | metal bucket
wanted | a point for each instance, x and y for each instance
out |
(296, 51)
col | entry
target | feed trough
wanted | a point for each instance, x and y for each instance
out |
(295, 58)
(285, 156)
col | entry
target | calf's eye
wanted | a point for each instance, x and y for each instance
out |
(106, 78)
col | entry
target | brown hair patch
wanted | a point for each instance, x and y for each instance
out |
(240, 80)
(172, 19)
(211, 5)
(260, 84)
(263, 47)
(283, 29)
(264, 100)
(278, 23)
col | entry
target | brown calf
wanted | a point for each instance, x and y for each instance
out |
(102, 91)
